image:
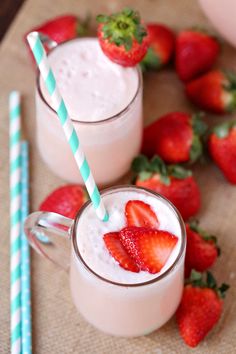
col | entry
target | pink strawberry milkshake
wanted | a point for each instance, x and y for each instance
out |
(114, 300)
(105, 102)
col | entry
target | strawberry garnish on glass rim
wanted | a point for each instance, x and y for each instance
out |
(123, 37)
(200, 307)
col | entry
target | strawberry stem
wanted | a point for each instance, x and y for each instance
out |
(222, 130)
(123, 28)
(144, 169)
(207, 280)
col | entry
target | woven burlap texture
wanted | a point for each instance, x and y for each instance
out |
(57, 327)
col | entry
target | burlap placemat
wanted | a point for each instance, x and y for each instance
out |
(57, 327)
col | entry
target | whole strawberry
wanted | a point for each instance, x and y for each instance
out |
(173, 182)
(201, 251)
(123, 37)
(200, 308)
(59, 29)
(175, 137)
(222, 148)
(196, 52)
(65, 200)
(161, 49)
(214, 92)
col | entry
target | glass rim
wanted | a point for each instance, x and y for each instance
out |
(158, 277)
(108, 119)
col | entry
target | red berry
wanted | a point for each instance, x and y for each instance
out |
(183, 193)
(175, 137)
(59, 29)
(199, 311)
(118, 252)
(222, 147)
(122, 37)
(65, 200)
(161, 49)
(140, 214)
(148, 247)
(196, 52)
(201, 253)
(213, 92)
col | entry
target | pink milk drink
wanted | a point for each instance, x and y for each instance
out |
(104, 101)
(115, 300)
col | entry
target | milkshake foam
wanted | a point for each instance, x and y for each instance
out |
(93, 87)
(91, 230)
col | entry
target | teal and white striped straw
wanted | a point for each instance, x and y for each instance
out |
(15, 216)
(25, 255)
(66, 122)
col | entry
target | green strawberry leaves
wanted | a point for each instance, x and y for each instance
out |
(207, 280)
(199, 126)
(122, 28)
(145, 168)
(151, 61)
(194, 226)
(199, 131)
(223, 130)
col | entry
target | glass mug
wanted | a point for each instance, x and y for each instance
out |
(117, 136)
(119, 309)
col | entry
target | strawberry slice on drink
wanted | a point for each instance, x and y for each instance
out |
(140, 214)
(118, 252)
(148, 247)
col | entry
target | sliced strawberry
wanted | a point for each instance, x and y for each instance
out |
(118, 252)
(148, 247)
(140, 214)
(65, 200)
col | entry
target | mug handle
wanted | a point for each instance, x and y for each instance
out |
(42, 230)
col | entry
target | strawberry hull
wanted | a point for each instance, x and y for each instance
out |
(183, 193)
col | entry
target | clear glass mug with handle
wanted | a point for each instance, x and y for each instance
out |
(119, 309)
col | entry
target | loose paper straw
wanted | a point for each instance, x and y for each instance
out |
(15, 216)
(25, 255)
(70, 133)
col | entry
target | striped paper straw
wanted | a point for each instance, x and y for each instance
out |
(15, 216)
(25, 255)
(67, 125)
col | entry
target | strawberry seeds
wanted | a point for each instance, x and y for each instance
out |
(140, 245)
